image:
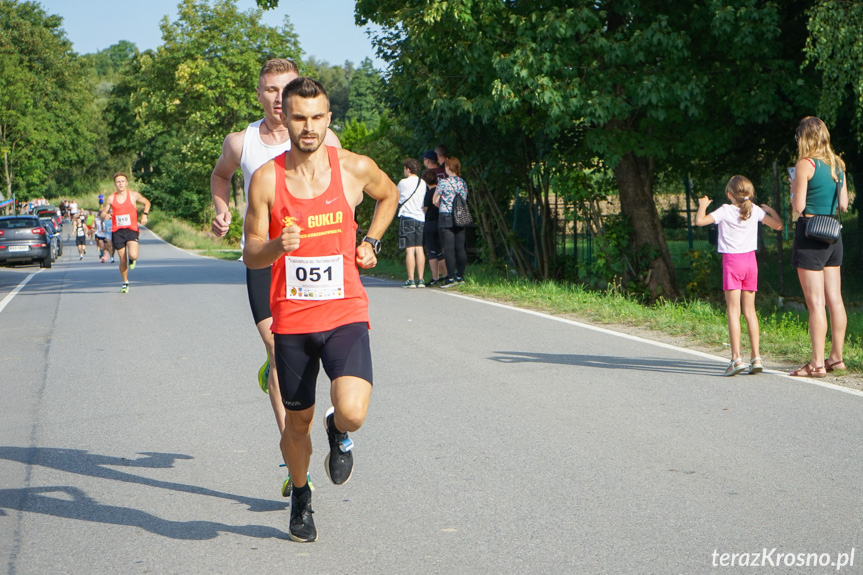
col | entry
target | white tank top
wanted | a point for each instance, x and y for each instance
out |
(255, 154)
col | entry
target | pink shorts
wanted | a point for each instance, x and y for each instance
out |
(740, 271)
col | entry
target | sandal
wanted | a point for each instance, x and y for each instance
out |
(809, 371)
(756, 366)
(735, 367)
(838, 364)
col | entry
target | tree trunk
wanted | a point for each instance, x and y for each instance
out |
(634, 176)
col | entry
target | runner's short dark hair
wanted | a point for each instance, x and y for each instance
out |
(304, 87)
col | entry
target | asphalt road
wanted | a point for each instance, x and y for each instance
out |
(134, 439)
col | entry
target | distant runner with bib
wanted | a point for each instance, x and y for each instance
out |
(124, 224)
(304, 202)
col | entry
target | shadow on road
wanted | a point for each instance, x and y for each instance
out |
(611, 362)
(73, 503)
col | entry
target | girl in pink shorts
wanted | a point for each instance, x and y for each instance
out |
(738, 240)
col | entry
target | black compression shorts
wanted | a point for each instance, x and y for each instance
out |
(258, 288)
(344, 351)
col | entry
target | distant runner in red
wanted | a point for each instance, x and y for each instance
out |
(123, 206)
(304, 200)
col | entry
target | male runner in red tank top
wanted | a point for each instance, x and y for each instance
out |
(305, 201)
(123, 205)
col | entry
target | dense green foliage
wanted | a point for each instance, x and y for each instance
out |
(642, 86)
(836, 47)
(47, 114)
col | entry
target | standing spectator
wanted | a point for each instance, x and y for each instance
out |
(738, 240)
(73, 210)
(814, 192)
(431, 236)
(452, 237)
(412, 191)
(430, 162)
(442, 155)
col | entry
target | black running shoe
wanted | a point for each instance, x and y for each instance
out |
(339, 462)
(302, 526)
(448, 283)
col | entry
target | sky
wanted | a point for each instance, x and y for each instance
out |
(325, 28)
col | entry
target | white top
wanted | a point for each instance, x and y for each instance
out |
(255, 154)
(737, 236)
(413, 208)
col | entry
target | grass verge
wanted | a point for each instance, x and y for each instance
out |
(183, 235)
(784, 332)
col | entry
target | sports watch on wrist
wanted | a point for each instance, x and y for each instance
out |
(376, 244)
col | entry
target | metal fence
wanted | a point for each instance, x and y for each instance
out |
(577, 246)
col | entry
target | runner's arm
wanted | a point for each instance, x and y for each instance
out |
(380, 187)
(106, 208)
(258, 252)
(220, 181)
(146, 202)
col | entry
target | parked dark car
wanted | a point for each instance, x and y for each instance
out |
(23, 239)
(49, 211)
(54, 236)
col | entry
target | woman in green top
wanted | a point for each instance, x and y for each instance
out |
(813, 192)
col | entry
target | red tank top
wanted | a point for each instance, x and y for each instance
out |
(123, 215)
(317, 286)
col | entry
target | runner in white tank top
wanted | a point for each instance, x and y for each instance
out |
(255, 154)
(249, 149)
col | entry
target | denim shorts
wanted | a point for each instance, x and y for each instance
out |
(410, 233)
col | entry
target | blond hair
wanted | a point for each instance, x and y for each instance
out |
(813, 141)
(742, 193)
(278, 66)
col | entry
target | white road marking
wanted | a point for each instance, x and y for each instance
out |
(12, 294)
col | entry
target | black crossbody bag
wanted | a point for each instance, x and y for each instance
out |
(823, 228)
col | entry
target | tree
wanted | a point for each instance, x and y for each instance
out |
(337, 80)
(638, 84)
(835, 46)
(364, 102)
(46, 110)
(174, 106)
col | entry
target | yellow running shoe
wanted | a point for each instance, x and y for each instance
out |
(264, 376)
(287, 486)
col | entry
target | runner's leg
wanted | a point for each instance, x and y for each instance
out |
(273, 380)
(132, 246)
(296, 443)
(124, 265)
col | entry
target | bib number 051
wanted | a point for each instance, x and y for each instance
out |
(316, 278)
